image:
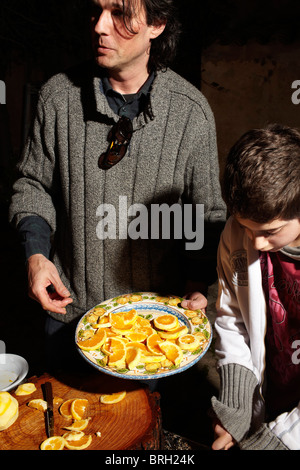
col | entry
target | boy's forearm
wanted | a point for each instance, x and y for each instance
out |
(234, 406)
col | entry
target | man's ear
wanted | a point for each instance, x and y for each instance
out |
(157, 30)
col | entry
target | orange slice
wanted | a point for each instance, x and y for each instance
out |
(79, 408)
(117, 358)
(53, 443)
(113, 344)
(103, 322)
(172, 352)
(38, 404)
(65, 409)
(107, 346)
(79, 442)
(123, 320)
(174, 333)
(121, 331)
(147, 330)
(130, 317)
(141, 322)
(147, 357)
(116, 350)
(110, 333)
(153, 344)
(133, 357)
(112, 398)
(73, 435)
(117, 343)
(94, 342)
(9, 410)
(166, 322)
(188, 342)
(136, 344)
(136, 336)
(79, 425)
(25, 389)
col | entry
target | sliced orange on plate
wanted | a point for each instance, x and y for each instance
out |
(172, 352)
(153, 344)
(174, 333)
(188, 342)
(133, 357)
(136, 336)
(117, 358)
(94, 342)
(166, 322)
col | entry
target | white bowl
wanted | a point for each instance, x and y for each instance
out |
(13, 369)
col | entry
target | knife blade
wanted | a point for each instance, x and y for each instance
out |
(49, 418)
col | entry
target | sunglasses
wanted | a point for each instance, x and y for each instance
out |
(119, 137)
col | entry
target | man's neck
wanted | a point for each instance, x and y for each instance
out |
(128, 83)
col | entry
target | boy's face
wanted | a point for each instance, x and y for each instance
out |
(274, 235)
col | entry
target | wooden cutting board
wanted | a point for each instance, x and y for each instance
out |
(133, 423)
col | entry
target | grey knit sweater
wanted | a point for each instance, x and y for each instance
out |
(172, 158)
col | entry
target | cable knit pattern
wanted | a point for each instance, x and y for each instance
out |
(234, 407)
(263, 439)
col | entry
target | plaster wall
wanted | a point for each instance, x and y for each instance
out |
(250, 86)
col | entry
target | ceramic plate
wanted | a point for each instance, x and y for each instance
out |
(149, 306)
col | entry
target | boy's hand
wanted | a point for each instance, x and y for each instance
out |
(194, 301)
(195, 298)
(42, 274)
(223, 440)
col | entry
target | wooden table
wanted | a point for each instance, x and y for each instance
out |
(132, 424)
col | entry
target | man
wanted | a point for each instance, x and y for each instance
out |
(84, 163)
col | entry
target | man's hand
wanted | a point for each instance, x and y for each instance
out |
(41, 274)
(223, 440)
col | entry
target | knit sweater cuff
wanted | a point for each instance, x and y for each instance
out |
(234, 407)
(263, 439)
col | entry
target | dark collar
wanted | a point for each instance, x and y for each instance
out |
(144, 90)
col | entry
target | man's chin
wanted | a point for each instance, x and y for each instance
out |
(103, 61)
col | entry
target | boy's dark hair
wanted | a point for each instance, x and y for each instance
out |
(261, 180)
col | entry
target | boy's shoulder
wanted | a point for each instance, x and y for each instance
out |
(233, 232)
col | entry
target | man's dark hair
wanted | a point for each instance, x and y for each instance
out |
(164, 47)
(261, 180)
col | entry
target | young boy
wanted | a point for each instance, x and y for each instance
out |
(258, 320)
